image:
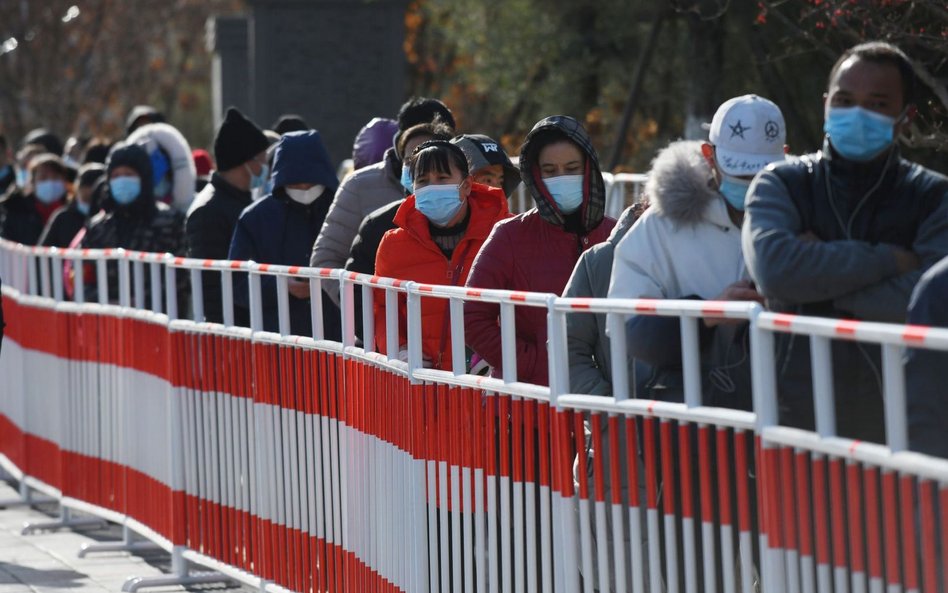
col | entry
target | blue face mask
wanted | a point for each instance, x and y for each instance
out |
(406, 179)
(83, 207)
(567, 192)
(439, 203)
(22, 177)
(858, 134)
(48, 192)
(734, 190)
(259, 181)
(125, 189)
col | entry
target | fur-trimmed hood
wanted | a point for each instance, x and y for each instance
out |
(176, 148)
(680, 184)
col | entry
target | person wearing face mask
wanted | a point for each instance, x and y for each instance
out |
(847, 232)
(687, 245)
(370, 188)
(24, 213)
(537, 250)
(366, 243)
(68, 220)
(441, 227)
(281, 229)
(172, 166)
(240, 150)
(131, 218)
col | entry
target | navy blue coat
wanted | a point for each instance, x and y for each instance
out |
(926, 394)
(279, 230)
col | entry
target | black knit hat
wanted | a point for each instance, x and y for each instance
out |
(238, 140)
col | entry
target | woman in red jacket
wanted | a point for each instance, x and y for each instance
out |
(537, 250)
(440, 230)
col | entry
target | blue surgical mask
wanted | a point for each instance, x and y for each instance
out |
(125, 189)
(567, 192)
(734, 190)
(406, 179)
(22, 177)
(49, 191)
(259, 181)
(83, 207)
(439, 203)
(858, 134)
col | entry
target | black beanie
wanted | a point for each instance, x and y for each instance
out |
(238, 140)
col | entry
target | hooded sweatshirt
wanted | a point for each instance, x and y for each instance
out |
(535, 251)
(409, 253)
(685, 246)
(279, 230)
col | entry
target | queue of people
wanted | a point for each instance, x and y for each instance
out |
(846, 232)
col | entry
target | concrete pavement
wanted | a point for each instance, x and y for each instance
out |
(47, 562)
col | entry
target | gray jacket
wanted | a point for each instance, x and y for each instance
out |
(590, 364)
(857, 213)
(361, 193)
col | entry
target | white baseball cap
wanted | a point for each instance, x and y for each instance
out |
(748, 133)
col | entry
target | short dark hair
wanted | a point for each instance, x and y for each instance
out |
(881, 52)
(423, 110)
(436, 129)
(437, 155)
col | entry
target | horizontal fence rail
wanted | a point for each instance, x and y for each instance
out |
(318, 463)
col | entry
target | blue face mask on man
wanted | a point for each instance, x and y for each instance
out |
(439, 203)
(858, 134)
(259, 180)
(49, 191)
(567, 192)
(734, 190)
(125, 190)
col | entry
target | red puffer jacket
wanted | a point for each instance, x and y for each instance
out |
(535, 252)
(409, 253)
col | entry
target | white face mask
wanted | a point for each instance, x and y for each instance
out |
(306, 196)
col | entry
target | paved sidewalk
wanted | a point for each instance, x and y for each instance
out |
(45, 562)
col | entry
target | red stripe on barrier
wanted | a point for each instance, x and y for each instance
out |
(915, 334)
(820, 511)
(784, 320)
(668, 468)
(684, 462)
(846, 327)
(789, 511)
(891, 521)
(909, 549)
(651, 471)
(519, 297)
(704, 471)
(581, 304)
(724, 481)
(837, 513)
(856, 539)
(805, 517)
(928, 526)
(646, 306)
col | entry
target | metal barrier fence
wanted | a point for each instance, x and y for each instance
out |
(302, 464)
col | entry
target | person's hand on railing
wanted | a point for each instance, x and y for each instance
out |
(425, 361)
(742, 290)
(298, 288)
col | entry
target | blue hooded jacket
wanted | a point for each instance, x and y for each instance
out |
(279, 230)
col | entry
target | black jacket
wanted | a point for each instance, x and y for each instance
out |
(20, 221)
(143, 225)
(209, 229)
(365, 246)
(63, 226)
(926, 395)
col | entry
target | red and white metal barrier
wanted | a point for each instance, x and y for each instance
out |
(294, 463)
